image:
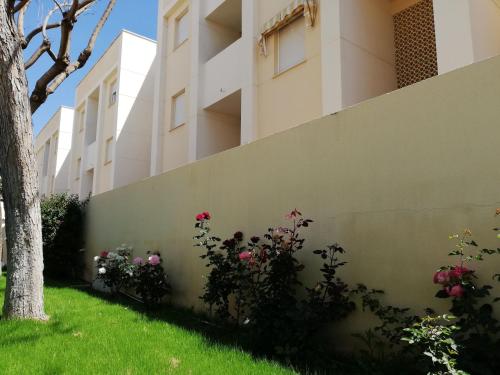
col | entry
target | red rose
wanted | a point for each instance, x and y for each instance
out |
(104, 254)
(456, 291)
(200, 217)
(207, 215)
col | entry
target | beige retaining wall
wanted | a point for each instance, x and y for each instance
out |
(389, 179)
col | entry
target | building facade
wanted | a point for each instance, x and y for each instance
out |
(52, 149)
(113, 116)
(233, 71)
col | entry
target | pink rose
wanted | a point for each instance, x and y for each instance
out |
(455, 291)
(458, 271)
(154, 260)
(200, 217)
(245, 255)
(441, 277)
(138, 261)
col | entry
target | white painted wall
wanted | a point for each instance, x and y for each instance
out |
(466, 31)
(485, 25)
(222, 74)
(367, 50)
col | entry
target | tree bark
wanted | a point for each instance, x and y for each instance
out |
(24, 292)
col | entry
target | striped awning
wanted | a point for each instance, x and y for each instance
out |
(306, 8)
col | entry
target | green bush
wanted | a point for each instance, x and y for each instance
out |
(63, 235)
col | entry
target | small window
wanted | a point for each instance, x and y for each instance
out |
(46, 154)
(291, 49)
(181, 29)
(113, 92)
(109, 151)
(78, 168)
(179, 109)
(81, 120)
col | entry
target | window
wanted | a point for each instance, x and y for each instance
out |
(291, 45)
(109, 151)
(46, 154)
(181, 29)
(113, 92)
(81, 120)
(78, 168)
(179, 109)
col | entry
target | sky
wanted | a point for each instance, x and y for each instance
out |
(138, 16)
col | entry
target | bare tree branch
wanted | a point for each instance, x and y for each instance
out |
(39, 29)
(62, 68)
(20, 24)
(84, 6)
(20, 5)
(44, 47)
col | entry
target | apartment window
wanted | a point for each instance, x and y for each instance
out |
(291, 49)
(78, 168)
(179, 109)
(81, 120)
(113, 92)
(181, 29)
(46, 154)
(108, 151)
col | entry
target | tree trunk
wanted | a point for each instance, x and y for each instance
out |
(24, 293)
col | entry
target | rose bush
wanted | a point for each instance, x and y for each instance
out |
(256, 286)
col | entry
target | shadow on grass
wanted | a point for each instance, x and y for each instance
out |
(216, 334)
(12, 335)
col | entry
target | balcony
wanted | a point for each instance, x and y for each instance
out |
(222, 75)
(90, 156)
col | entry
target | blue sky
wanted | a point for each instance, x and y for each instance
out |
(138, 16)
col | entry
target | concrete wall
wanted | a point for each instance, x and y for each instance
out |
(389, 179)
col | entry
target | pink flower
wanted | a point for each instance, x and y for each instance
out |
(104, 254)
(245, 255)
(458, 271)
(138, 261)
(441, 277)
(203, 216)
(154, 260)
(455, 291)
(292, 215)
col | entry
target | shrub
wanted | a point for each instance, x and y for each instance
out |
(114, 268)
(149, 280)
(434, 336)
(63, 235)
(262, 278)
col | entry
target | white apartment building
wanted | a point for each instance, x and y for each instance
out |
(233, 71)
(113, 116)
(52, 148)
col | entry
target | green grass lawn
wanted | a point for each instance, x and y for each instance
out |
(87, 334)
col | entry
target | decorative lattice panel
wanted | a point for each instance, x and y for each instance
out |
(415, 42)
